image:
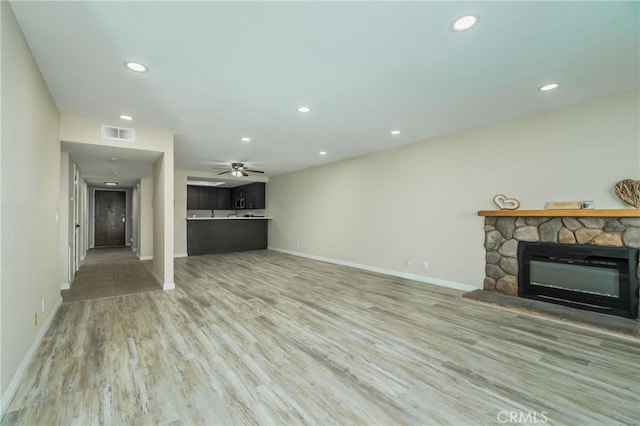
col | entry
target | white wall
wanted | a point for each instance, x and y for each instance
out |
(64, 211)
(163, 219)
(419, 202)
(30, 194)
(145, 226)
(84, 216)
(180, 213)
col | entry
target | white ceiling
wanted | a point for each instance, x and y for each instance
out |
(97, 163)
(220, 71)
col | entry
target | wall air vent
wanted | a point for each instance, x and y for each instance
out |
(118, 133)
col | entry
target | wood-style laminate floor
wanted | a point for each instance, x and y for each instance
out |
(108, 272)
(271, 339)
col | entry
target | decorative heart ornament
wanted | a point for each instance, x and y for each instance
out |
(628, 190)
(506, 203)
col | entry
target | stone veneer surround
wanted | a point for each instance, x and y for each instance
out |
(502, 235)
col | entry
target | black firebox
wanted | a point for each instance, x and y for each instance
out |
(601, 279)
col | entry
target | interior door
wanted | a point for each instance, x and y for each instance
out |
(110, 218)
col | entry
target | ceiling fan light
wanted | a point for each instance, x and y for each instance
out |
(236, 173)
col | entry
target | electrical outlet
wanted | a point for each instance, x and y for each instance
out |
(44, 304)
(425, 265)
(297, 244)
(409, 263)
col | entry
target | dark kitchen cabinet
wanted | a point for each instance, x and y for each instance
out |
(208, 198)
(220, 199)
(255, 195)
(192, 197)
(214, 198)
(226, 236)
(203, 198)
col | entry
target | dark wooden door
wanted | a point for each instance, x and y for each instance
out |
(110, 218)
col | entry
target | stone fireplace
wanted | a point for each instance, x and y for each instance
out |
(504, 229)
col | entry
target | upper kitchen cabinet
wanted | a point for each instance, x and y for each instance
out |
(255, 195)
(221, 198)
(192, 197)
(203, 198)
(251, 196)
(207, 198)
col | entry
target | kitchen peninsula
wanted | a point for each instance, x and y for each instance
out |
(209, 235)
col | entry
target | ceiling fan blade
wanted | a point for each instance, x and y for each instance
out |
(223, 173)
(253, 171)
(245, 174)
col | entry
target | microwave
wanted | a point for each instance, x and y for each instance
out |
(240, 203)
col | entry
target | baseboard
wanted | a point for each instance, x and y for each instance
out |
(414, 277)
(17, 377)
(65, 286)
(180, 255)
(165, 286)
(145, 257)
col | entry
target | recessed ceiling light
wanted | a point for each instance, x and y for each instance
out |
(136, 66)
(246, 139)
(465, 22)
(395, 132)
(111, 183)
(323, 153)
(126, 117)
(115, 173)
(548, 87)
(113, 159)
(304, 109)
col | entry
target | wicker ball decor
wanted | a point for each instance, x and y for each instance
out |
(628, 190)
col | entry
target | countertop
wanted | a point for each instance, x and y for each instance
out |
(230, 218)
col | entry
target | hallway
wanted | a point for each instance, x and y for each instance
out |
(108, 272)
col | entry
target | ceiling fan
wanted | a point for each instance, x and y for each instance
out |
(238, 169)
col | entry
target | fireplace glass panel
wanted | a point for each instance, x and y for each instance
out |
(602, 281)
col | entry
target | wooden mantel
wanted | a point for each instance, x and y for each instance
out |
(563, 213)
